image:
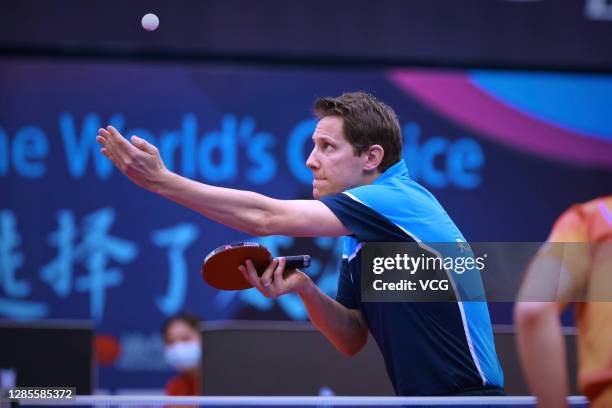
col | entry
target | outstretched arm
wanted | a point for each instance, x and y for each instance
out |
(255, 214)
(246, 211)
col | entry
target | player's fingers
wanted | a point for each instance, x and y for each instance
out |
(247, 276)
(143, 145)
(104, 133)
(122, 150)
(279, 281)
(253, 278)
(245, 270)
(102, 140)
(108, 153)
(118, 142)
(266, 278)
(115, 134)
(244, 273)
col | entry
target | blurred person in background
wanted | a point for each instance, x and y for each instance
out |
(578, 273)
(183, 352)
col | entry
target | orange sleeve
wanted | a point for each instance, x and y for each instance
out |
(559, 271)
(570, 227)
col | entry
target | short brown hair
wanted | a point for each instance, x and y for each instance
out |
(367, 121)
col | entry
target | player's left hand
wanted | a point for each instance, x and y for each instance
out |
(137, 159)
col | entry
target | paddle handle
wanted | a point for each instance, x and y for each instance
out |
(297, 261)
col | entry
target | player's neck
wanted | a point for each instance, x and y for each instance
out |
(370, 178)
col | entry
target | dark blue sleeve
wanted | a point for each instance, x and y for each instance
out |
(346, 290)
(365, 223)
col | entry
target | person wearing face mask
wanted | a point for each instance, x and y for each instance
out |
(183, 352)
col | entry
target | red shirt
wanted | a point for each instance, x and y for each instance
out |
(183, 384)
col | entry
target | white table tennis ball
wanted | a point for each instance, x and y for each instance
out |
(150, 22)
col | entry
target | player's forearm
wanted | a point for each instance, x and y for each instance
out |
(542, 351)
(242, 210)
(343, 327)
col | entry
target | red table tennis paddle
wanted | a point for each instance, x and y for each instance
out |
(220, 267)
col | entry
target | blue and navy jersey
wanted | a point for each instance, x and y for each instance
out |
(429, 348)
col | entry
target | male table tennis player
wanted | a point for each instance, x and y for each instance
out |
(540, 339)
(363, 192)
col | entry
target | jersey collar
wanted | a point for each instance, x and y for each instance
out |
(397, 170)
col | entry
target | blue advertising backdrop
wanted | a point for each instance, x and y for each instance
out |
(504, 152)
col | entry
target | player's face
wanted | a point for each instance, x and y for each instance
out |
(179, 331)
(333, 163)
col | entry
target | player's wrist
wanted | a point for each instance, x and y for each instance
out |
(306, 286)
(164, 181)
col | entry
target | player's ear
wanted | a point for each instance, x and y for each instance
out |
(373, 157)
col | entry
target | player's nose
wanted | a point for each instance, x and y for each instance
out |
(312, 163)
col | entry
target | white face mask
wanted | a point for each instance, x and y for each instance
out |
(183, 355)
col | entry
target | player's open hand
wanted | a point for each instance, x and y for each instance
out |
(275, 281)
(139, 160)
